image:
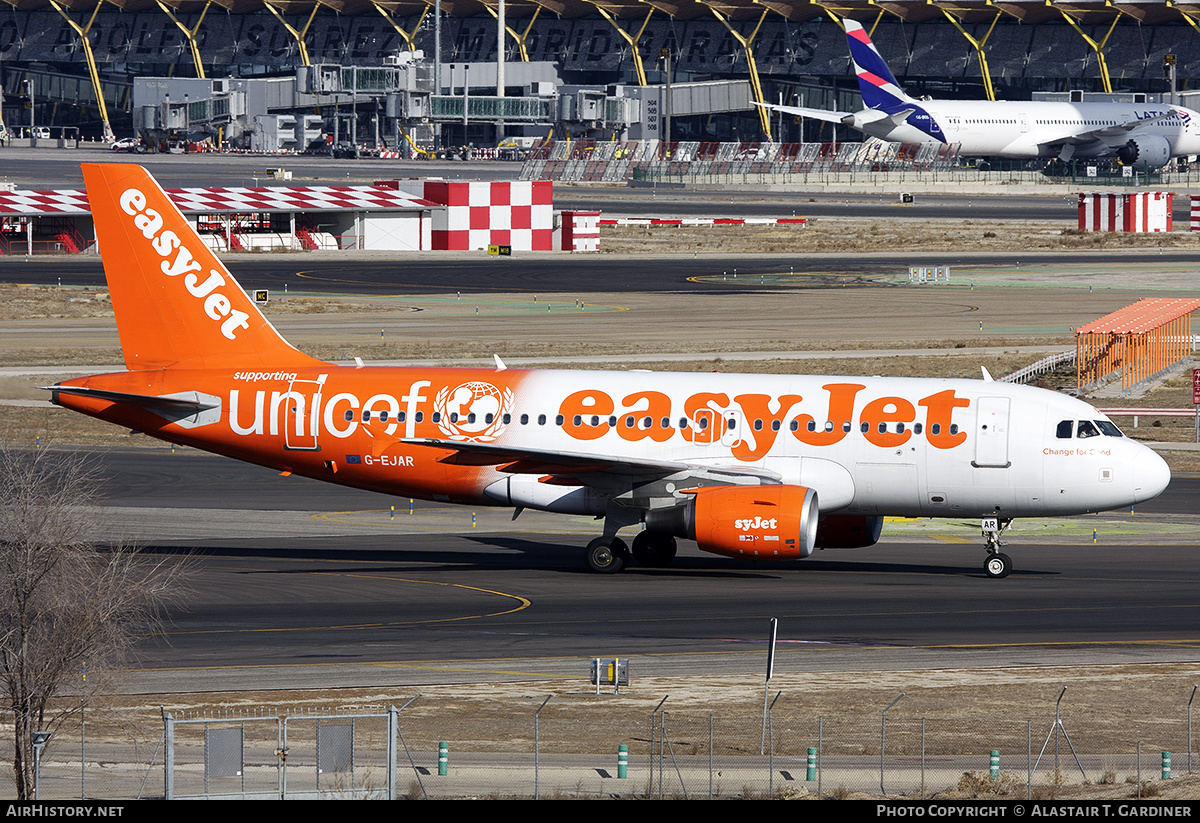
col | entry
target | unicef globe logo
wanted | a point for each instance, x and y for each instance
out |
(472, 411)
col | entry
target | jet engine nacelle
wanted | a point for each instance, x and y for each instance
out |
(1149, 149)
(775, 522)
(849, 531)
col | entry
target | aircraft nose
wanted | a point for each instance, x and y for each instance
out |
(1150, 475)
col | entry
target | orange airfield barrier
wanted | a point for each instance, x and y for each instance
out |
(1137, 341)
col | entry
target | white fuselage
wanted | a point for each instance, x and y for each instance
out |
(866, 445)
(1039, 129)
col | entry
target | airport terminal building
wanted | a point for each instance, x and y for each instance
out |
(73, 63)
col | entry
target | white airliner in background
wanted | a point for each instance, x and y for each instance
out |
(749, 466)
(1138, 134)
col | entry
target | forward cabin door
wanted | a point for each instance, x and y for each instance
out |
(991, 433)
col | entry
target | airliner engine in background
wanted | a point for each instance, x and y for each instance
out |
(1141, 134)
(749, 466)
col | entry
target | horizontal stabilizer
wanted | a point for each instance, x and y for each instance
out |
(812, 114)
(188, 409)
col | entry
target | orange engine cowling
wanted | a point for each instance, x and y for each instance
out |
(768, 522)
(849, 531)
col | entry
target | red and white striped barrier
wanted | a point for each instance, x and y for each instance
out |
(1195, 222)
(1137, 211)
(581, 231)
(701, 221)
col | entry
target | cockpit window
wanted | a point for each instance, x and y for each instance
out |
(1065, 429)
(1086, 429)
(1109, 428)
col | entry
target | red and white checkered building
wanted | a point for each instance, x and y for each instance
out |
(518, 213)
(1136, 211)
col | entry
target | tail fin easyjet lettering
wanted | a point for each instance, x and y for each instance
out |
(175, 303)
(875, 81)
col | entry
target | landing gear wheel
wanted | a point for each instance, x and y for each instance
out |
(654, 550)
(997, 565)
(607, 555)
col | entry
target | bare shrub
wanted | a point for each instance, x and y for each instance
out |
(65, 602)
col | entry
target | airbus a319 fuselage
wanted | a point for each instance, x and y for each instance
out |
(748, 466)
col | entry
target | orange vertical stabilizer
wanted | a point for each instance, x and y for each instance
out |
(176, 304)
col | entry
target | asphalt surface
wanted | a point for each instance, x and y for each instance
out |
(41, 169)
(308, 584)
(379, 274)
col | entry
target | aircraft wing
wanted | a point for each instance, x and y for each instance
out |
(813, 114)
(582, 465)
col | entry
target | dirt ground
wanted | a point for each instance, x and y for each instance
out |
(847, 236)
(1105, 709)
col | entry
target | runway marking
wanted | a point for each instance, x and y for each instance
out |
(467, 303)
(795, 279)
(523, 603)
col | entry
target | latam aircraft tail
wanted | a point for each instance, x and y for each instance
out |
(875, 80)
(176, 304)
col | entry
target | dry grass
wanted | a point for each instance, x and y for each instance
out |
(848, 236)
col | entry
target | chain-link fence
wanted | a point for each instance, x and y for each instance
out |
(581, 745)
(871, 162)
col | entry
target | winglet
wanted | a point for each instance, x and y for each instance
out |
(174, 301)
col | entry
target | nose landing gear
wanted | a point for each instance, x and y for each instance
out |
(998, 564)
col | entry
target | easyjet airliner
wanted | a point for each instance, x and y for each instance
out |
(748, 466)
(1134, 133)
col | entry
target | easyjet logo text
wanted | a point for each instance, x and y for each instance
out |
(751, 423)
(178, 260)
(756, 523)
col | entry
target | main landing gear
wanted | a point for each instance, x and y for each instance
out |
(654, 550)
(998, 564)
(609, 555)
